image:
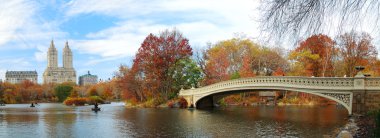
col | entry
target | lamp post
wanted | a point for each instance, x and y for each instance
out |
(359, 69)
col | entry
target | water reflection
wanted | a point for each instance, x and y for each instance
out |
(56, 120)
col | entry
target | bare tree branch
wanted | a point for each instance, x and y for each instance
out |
(291, 19)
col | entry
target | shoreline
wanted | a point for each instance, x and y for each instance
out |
(358, 126)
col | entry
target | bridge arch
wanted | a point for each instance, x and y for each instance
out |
(224, 92)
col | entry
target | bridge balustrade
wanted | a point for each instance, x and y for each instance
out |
(293, 82)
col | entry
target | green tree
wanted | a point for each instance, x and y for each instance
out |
(235, 75)
(186, 74)
(62, 91)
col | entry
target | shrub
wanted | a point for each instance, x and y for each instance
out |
(222, 102)
(171, 103)
(95, 99)
(132, 102)
(179, 102)
(376, 115)
(182, 103)
(153, 102)
(76, 101)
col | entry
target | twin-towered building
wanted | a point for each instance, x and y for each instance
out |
(55, 74)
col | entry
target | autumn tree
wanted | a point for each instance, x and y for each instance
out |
(115, 89)
(375, 69)
(356, 49)
(156, 58)
(123, 70)
(48, 91)
(217, 65)
(37, 92)
(246, 69)
(279, 72)
(92, 91)
(104, 90)
(229, 59)
(25, 90)
(74, 93)
(131, 84)
(315, 55)
(9, 93)
(240, 57)
(9, 96)
(268, 59)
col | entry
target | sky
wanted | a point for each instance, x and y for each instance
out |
(106, 33)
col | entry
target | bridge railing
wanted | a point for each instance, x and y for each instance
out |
(330, 83)
(372, 83)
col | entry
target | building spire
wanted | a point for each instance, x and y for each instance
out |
(67, 56)
(52, 43)
(67, 44)
(52, 56)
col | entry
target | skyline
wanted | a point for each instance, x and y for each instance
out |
(106, 33)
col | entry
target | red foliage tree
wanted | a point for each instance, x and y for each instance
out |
(246, 69)
(279, 72)
(155, 59)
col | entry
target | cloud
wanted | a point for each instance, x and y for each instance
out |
(18, 63)
(14, 15)
(125, 39)
(41, 54)
(200, 21)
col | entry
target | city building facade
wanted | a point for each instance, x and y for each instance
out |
(20, 76)
(88, 79)
(55, 74)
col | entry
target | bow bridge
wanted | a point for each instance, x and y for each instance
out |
(357, 94)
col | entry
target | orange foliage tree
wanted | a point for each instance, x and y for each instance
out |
(239, 57)
(279, 72)
(229, 59)
(356, 50)
(315, 55)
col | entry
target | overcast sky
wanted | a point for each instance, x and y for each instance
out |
(106, 33)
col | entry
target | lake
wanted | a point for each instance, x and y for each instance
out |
(114, 120)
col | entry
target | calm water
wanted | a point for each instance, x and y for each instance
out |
(56, 120)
